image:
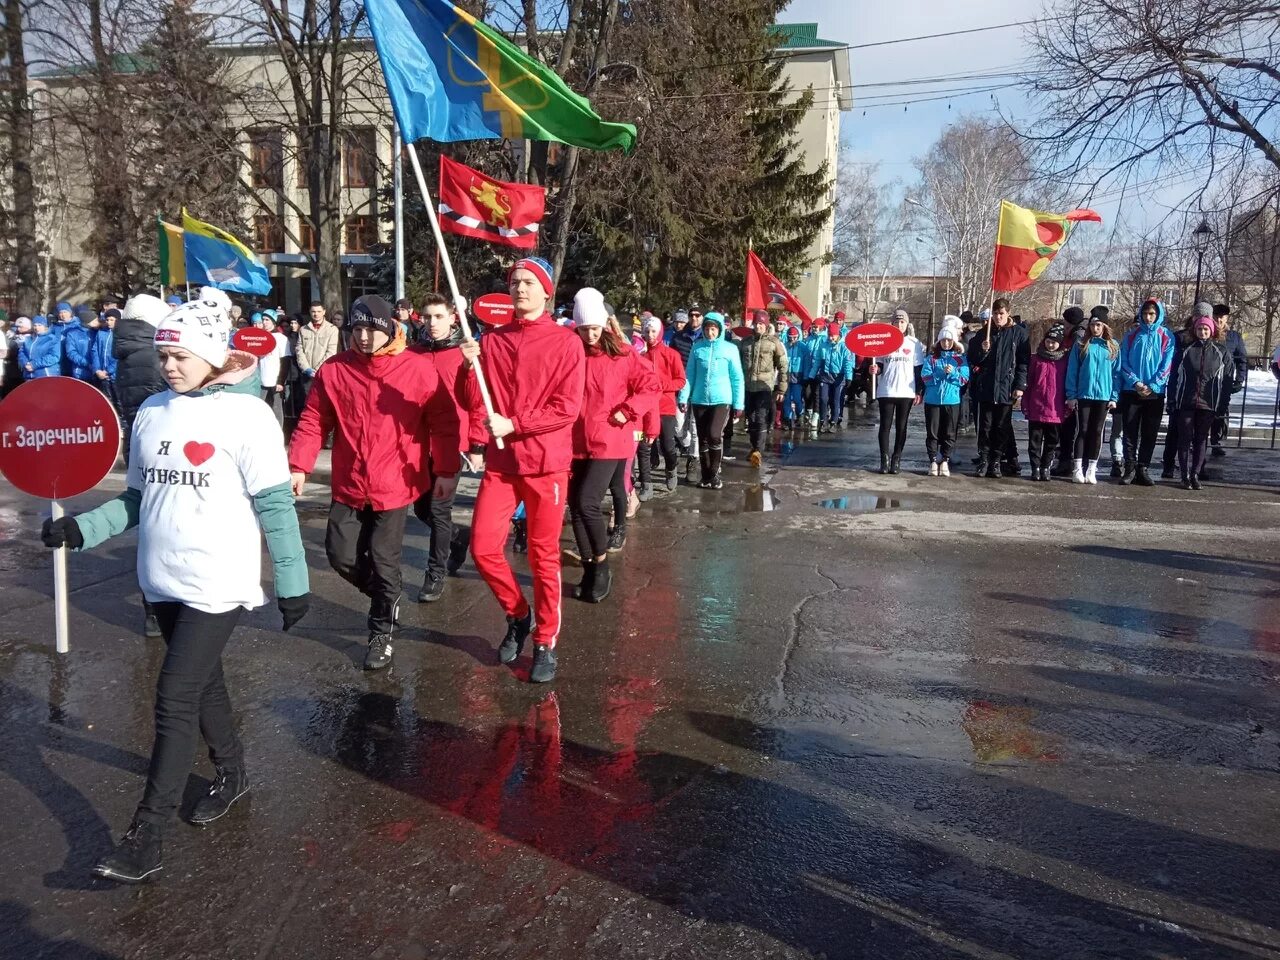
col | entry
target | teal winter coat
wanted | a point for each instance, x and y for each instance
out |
(1096, 376)
(714, 375)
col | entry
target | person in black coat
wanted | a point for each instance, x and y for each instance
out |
(138, 373)
(1235, 347)
(998, 375)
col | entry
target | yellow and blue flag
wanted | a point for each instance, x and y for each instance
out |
(215, 258)
(452, 77)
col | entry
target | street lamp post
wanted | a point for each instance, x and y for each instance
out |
(1202, 235)
(933, 290)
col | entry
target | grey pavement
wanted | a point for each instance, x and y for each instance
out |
(892, 716)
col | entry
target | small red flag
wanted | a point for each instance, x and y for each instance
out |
(473, 204)
(764, 290)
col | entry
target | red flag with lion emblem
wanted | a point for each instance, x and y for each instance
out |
(475, 205)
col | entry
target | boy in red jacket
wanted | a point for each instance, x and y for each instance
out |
(669, 367)
(372, 398)
(440, 340)
(536, 371)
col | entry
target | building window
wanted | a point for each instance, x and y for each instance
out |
(359, 157)
(266, 157)
(268, 234)
(1171, 298)
(361, 233)
(306, 237)
(1075, 297)
(1107, 296)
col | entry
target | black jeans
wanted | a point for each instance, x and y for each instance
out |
(648, 452)
(894, 412)
(759, 413)
(1091, 418)
(364, 548)
(191, 702)
(940, 423)
(995, 432)
(710, 421)
(1042, 441)
(811, 388)
(1141, 417)
(588, 481)
(437, 514)
(1194, 430)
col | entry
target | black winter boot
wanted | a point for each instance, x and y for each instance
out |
(1117, 468)
(1130, 470)
(993, 470)
(136, 857)
(229, 785)
(587, 584)
(884, 463)
(1143, 478)
(981, 470)
(150, 625)
(601, 583)
(893, 463)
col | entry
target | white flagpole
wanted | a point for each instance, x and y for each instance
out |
(398, 180)
(459, 304)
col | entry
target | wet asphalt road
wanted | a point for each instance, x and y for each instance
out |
(933, 719)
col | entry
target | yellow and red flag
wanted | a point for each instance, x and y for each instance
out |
(1027, 240)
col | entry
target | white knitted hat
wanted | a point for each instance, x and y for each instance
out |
(202, 327)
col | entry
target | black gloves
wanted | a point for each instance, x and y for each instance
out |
(63, 532)
(293, 609)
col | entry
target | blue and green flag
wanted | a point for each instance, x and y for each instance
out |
(215, 258)
(452, 77)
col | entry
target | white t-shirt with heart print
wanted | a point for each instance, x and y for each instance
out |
(898, 370)
(198, 460)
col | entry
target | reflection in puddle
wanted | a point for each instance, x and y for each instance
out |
(759, 498)
(860, 503)
(1002, 733)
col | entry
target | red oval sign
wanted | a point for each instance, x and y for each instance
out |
(874, 339)
(494, 308)
(744, 331)
(58, 437)
(253, 340)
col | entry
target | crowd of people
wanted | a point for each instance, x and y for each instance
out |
(560, 415)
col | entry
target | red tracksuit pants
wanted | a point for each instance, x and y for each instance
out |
(544, 499)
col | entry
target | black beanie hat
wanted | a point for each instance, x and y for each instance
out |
(1074, 316)
(372, 311)
(1099, 313)
(1057, 332)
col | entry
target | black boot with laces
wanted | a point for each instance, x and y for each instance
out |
(136, 857)
(229, 785)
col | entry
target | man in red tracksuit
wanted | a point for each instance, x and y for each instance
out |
(535, 371)
(372, 398)
(440, 341)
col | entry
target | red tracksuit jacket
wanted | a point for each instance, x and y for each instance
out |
(448, 416)
(535, 372)
(375, 408)
(624, 384)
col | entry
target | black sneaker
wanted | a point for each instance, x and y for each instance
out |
(378, 655)
(459, 544)
(717, 483)
(544, 664)
(228, 787)
(432, 588)
(136, 857)
(618, 538)
(1218, 452)
(517, 633)
(150, 625)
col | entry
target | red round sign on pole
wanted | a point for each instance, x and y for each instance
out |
(874, 339)
(494, 308)
(253, 340)
(58, 437)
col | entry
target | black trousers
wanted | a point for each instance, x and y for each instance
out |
(995, 432)
(647, 453)
(437, 514)
(710, 421)
(588, 481)
(894, 412)
(191, 703)
(1218, 433)
(811, 388)
(1141, 417)
(1042, 441)
(1171, 437)
(1194, 430)
(1091, 420)
(941, 421)
(364, 548)
(759, 413)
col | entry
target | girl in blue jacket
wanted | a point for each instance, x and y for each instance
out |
(713, 387)
(945, 372)
(793, 401)
(41, 356)
(1093, 387)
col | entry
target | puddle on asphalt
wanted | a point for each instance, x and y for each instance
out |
(759, 499)
(860, 503)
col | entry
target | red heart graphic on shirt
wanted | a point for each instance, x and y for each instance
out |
(198, 453)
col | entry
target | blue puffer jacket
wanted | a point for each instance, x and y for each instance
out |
(797, 357)
(1096, 376)
(835, 362)
(44, 353)
(942, 388)
(1146, 353)
(77, 344)
(812, 346)
(714, 374)
(101, 355)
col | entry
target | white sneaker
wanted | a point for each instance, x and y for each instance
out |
(943, 469)
(933, 469)
(1077, 471)
(1091, 474)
